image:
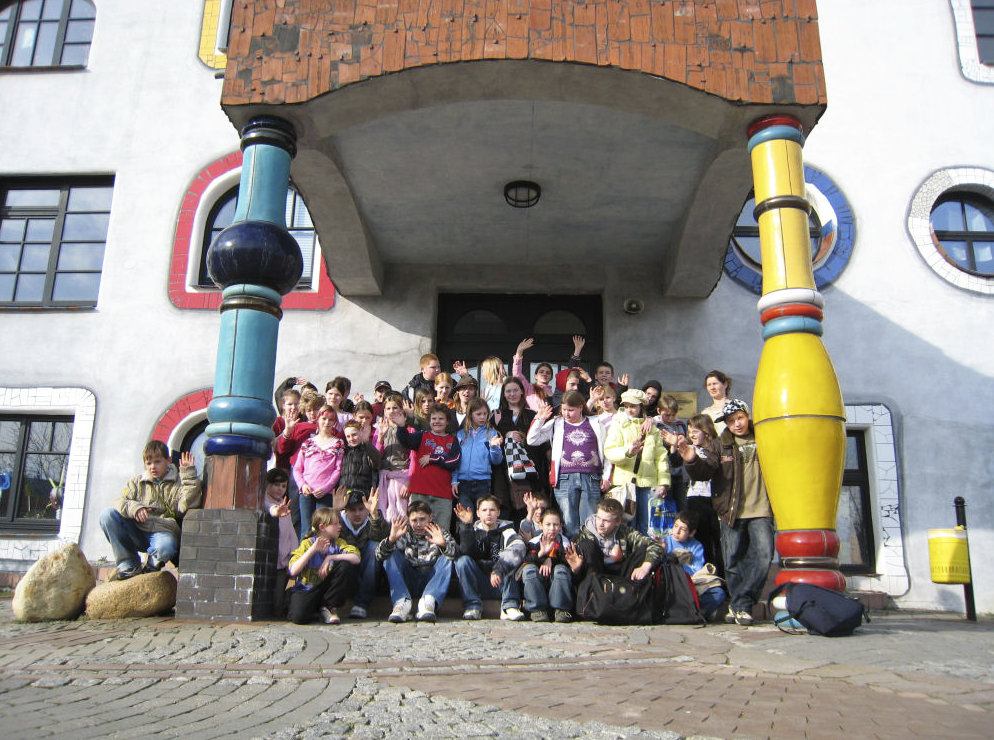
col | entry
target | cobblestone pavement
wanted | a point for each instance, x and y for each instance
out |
(904, 674)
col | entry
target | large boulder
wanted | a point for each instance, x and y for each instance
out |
(55, 587)
(139, 596)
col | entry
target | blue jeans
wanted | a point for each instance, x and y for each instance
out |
(577, 495)
(127, 541)
(471, 491)
(308, 505)
(711, 600)
(407, 581)
(365, 575)
(475, 585)
(541, 592)
(748, 550)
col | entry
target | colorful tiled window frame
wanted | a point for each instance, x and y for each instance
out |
(966, 39)
(824, 196)
(213, 182)
(19, 552)
(965, 179)
(885, 496)
(181, 417)
(208, 52)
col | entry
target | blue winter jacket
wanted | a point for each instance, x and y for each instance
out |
(477, 454)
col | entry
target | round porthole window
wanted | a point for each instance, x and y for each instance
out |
(832, 232)
(951, 222)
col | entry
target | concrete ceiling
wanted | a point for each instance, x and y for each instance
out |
(406, 172)
(430, 182)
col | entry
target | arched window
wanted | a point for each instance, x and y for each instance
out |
(559, 322)
(479, 321)
(963, 231)
(298, 223)
(46, 33)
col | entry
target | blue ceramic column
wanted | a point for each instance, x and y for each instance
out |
(255, 261)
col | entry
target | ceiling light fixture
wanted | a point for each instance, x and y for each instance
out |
(522, 193)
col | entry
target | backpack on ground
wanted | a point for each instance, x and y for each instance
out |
(674, 596)
(609, 599)
(821, 610)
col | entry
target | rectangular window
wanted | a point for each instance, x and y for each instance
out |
(855, 520)
(34, 456)
(983, 22)
(46, 33)
(52, 237)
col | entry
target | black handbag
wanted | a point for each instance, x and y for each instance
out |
(608, 599)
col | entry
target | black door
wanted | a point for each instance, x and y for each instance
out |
(472, 326)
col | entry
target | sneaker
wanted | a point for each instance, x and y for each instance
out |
(123, 575)
(743, 618)
(328, 616)
(473, 613)
(153, 566)
(730, 617)
(512, 614)
(358, 612)
(401, 611)
(563, 616)
(540, 616)
(426, 609)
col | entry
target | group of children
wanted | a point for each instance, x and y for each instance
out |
(518, 491)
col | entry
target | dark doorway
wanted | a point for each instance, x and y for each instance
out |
(472, 326)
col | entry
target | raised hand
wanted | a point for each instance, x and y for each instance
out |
(463, 514)
(435, 535)
(398, 527)
(372, 502)
(186, 460)
(578, 342)
(573, 558)
(282, 508)
(459, 366)
(524, 344)
(382, 425)
(544, 412)
(623, 379)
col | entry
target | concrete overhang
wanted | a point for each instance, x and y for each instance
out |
(637, 172)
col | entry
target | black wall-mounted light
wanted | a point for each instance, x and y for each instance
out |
(522, 193)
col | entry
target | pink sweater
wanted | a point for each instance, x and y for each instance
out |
(319, 469)
(531, 397)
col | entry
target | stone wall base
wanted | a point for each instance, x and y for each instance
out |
(227, 565)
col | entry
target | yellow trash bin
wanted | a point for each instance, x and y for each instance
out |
(949, 555)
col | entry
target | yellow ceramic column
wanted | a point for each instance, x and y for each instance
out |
(797, 407)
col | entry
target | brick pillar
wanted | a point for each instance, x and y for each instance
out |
(228, 565)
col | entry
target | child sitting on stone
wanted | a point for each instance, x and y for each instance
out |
(417, 557)
(546, 577)
(690, 554)
(146, 516)
(490, 552)
(322, 565)
(363, 526)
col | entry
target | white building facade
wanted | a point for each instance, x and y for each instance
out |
(113, 342)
